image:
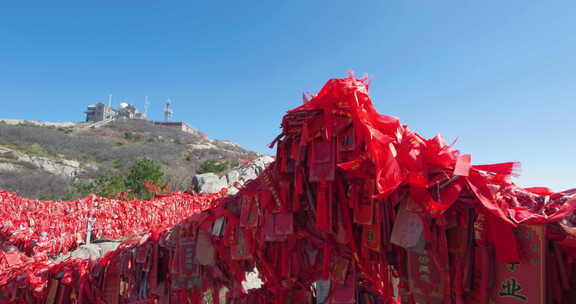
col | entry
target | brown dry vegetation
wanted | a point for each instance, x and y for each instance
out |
(112, 148)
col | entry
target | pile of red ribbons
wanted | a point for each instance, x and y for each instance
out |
(357, 208)
(54, 228)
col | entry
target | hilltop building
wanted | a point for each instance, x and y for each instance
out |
(182, 126)
(105, 112)
(101, 111)
(128, 111)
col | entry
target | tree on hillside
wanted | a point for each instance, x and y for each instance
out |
(137, 183)
(143, 171)
(214, 166)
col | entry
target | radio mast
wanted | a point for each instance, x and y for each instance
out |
(168, 111)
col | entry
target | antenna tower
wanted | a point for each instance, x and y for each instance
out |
(146, 105)
(168, 111)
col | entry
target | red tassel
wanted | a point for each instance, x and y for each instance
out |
(298, 191)
(505, 169)
(323, 209)
(304, 137)
(500, 235)
(284, 263)
(463, 163)
(326, 262)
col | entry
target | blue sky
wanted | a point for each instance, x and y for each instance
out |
(498, 75)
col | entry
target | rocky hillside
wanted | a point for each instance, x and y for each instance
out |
(47, 160)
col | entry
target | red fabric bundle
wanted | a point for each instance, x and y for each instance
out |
(57, 227)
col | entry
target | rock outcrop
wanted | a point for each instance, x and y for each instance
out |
(212, 183)
(208, 183)
(92, 251)
(11, 160)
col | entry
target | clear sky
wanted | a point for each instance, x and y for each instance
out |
(497, 75)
